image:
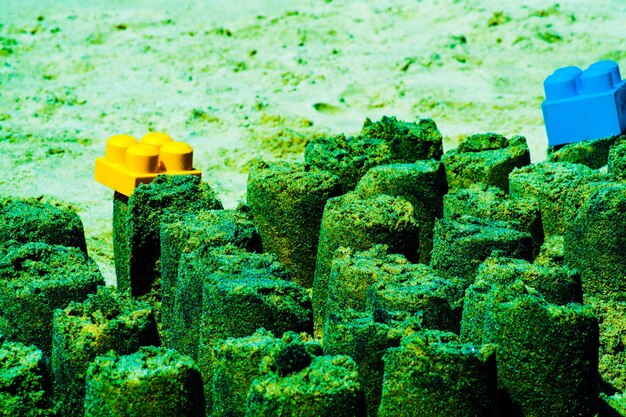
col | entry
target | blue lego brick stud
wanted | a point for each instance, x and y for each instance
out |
(582, 105)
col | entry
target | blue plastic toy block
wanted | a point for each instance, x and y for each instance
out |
(582, 105)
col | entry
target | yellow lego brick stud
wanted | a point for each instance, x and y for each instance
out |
(128, 162)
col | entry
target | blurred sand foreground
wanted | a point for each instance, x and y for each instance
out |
(242, 78)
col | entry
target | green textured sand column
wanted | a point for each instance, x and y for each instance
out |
(374, 279)
(137, 224)
(486, 158)
(360, 222)
(460, 246)
(24, 383)
(365, 337)
(153, 382)
(207, 266)
(433, 374)
(287, 202)
(547, 358)
(105, 321)
(238, 361)
(548, 185)
(206, 228)
(423, 184)
(386, 141)
(324, 386)
(500, 279)
(595, 242)
(31, 220)
(36, 279)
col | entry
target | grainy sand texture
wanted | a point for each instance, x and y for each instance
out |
(243, 78)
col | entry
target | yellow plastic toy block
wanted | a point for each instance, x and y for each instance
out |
(128, 162)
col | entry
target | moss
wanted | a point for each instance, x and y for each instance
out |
(460, 246)
(594, 242)
(238, 361)
(592, 153)
(547, 357)
(408, 141)
(36, 279)
(547, 185)
(358, 222)
(24, 386)
(423, 184)
(365, 337)
(151, 382)
(210, 228)
(287, 202)
(32, 220)
(487, 158)
(105, 321)
(205, 266)
(327, 387)
(137, 225)
(491, 203)
(432, 373)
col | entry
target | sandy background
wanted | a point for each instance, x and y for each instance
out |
(238, 79)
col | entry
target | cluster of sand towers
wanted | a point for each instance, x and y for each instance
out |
(381, 277)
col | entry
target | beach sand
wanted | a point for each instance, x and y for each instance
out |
(241, 79)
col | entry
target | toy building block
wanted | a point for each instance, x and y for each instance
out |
(583, 105)
(128, 163)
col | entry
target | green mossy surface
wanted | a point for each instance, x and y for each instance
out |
(384, 142)
(408, 141)
(547, 358)
(547, 185)
(327, 387)
(152, 382)
(552, 253)
(423, 184)
(433, 374)
(488, 202)
(208, 265)
(137, 245)
(287, 201)
(36, 279)
(105, 321)
(32, 220)
(357, 222)
(461, 245)
(616, 166)
(24, 385)
(365, 337)
(238, 361)
(592, 153)
(487, 158)
(500, 279)
(595, 242)
(208, 228)
(613, 406)
(612, 356)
